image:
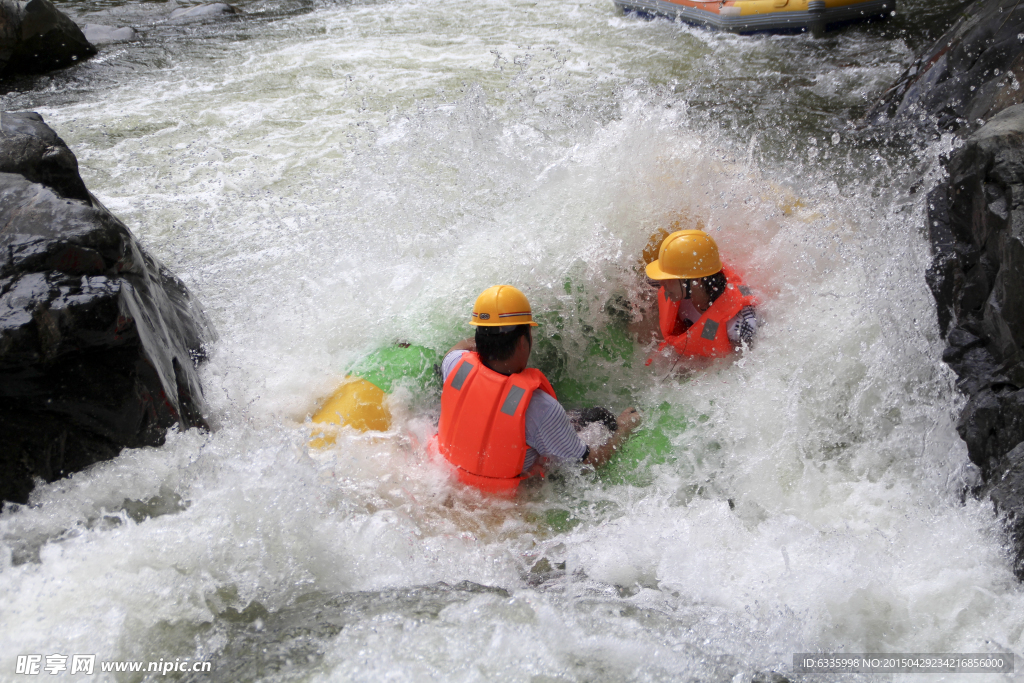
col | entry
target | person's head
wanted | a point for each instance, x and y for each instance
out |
(495, 344)
(503, 318)
(688, 267)
(702, 291)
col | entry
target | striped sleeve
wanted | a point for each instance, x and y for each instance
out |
(449, 363)
(549, 431)
(743, 326)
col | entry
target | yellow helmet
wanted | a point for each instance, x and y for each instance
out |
(501, 305)
(685, 254)
(684, 221)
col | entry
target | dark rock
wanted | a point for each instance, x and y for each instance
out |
(971, 82)
(1007, 494)
(973, 72)
(768, 677)
(976, 225)
(31, 149)
(98, 342)
(296, 636)
(216, 9)
(36, 37)
(98, 34)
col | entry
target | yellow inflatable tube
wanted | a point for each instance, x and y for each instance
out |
(357, 404)
(361, 400)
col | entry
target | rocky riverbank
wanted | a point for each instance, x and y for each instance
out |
(36, 37)
(98, 341)
(973, 72)
(971, 82)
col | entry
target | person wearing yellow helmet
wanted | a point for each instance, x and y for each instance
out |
(500, 420)
(704, 308)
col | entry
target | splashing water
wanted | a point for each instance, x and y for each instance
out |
(332, 180)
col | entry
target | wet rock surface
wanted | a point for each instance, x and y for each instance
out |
(100, 34)
(971, 82)
(36, 37)
(98, 342)
(976, 224)
(972, 73)
(284, 642)
(215, 9)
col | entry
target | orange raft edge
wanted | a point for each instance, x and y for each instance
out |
(763, 16)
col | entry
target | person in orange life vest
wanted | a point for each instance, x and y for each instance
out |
(499, 419)
(704, 308)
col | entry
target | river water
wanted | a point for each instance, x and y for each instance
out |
(330, 177)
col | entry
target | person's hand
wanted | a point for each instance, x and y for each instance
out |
(628, 420)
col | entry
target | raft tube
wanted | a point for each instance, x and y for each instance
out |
(763, 16)
(360, 401)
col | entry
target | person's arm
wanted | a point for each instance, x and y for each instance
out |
(549, 431)
(450, 360)
(628, 420)
(743, 326)
(644, 325)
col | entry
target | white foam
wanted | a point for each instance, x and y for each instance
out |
(357, 176)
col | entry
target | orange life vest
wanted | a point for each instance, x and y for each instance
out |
(482, 431)
(709, 336)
